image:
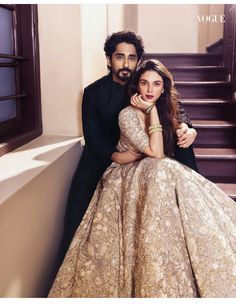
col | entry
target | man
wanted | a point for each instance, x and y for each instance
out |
(102, 102)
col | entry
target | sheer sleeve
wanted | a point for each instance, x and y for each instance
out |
(132, 130)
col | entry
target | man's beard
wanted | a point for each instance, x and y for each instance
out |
(124, 77)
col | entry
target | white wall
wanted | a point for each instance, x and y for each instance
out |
(209, 32)
(115, 18)
(168, 28)
(94, 32)
(131, 17)
(71, 56)
(174, 28)
(215, 29)
(61, 68)
(203, 29)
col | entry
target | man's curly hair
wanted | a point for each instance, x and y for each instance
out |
(123, 36)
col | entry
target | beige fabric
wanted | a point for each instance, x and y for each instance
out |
(154, 228)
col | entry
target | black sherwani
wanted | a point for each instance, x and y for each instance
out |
(102, 102)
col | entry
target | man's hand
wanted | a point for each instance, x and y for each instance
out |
(125, 157)
(185, 135)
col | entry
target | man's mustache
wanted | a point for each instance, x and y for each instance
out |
(124, 70)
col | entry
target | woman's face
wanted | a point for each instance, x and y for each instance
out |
(150, 86)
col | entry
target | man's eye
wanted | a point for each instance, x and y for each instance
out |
(132, 58)
(119, 57)
(142, 83)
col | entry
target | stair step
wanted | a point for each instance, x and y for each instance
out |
(229, 189)
(186, 59)
(199, 73)
(211, 101)
(215, 133)
(209, 109)
(208, 89)
(217, 164)
(203, 83)
(215, 153)
(213, 124)
(183, 67)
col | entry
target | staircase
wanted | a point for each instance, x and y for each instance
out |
(205, 92)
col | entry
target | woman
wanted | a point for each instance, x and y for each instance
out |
(154, 228)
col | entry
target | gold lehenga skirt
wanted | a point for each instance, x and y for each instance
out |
(154, 228)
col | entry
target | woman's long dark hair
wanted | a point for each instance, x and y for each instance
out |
(167, 104)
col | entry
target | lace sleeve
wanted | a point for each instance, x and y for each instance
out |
(131, 128)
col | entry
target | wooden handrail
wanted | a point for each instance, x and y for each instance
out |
(11, 97)
(16, 57)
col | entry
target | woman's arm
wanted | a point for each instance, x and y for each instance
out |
(156, 147)
(125, 157)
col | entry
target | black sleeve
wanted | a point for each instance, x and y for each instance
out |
(183, 117)
(95, 136)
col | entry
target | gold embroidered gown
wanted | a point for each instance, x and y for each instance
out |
(154, 228)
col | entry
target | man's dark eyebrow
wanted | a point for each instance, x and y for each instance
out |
(122, 54)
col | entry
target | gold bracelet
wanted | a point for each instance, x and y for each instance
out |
(155, 126)
(155, 130)
(149, 109)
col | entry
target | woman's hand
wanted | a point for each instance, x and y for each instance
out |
(137, 101)
(125, 157)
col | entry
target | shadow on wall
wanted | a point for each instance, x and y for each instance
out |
(31, 224)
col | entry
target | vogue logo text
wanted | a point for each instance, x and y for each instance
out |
(211, 18)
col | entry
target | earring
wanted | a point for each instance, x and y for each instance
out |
(162, 91)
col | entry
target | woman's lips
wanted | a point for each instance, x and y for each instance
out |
(149, 96)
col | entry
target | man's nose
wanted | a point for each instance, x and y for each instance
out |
(149, 88)
(126, 62)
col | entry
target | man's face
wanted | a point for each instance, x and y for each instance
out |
(123, 62)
